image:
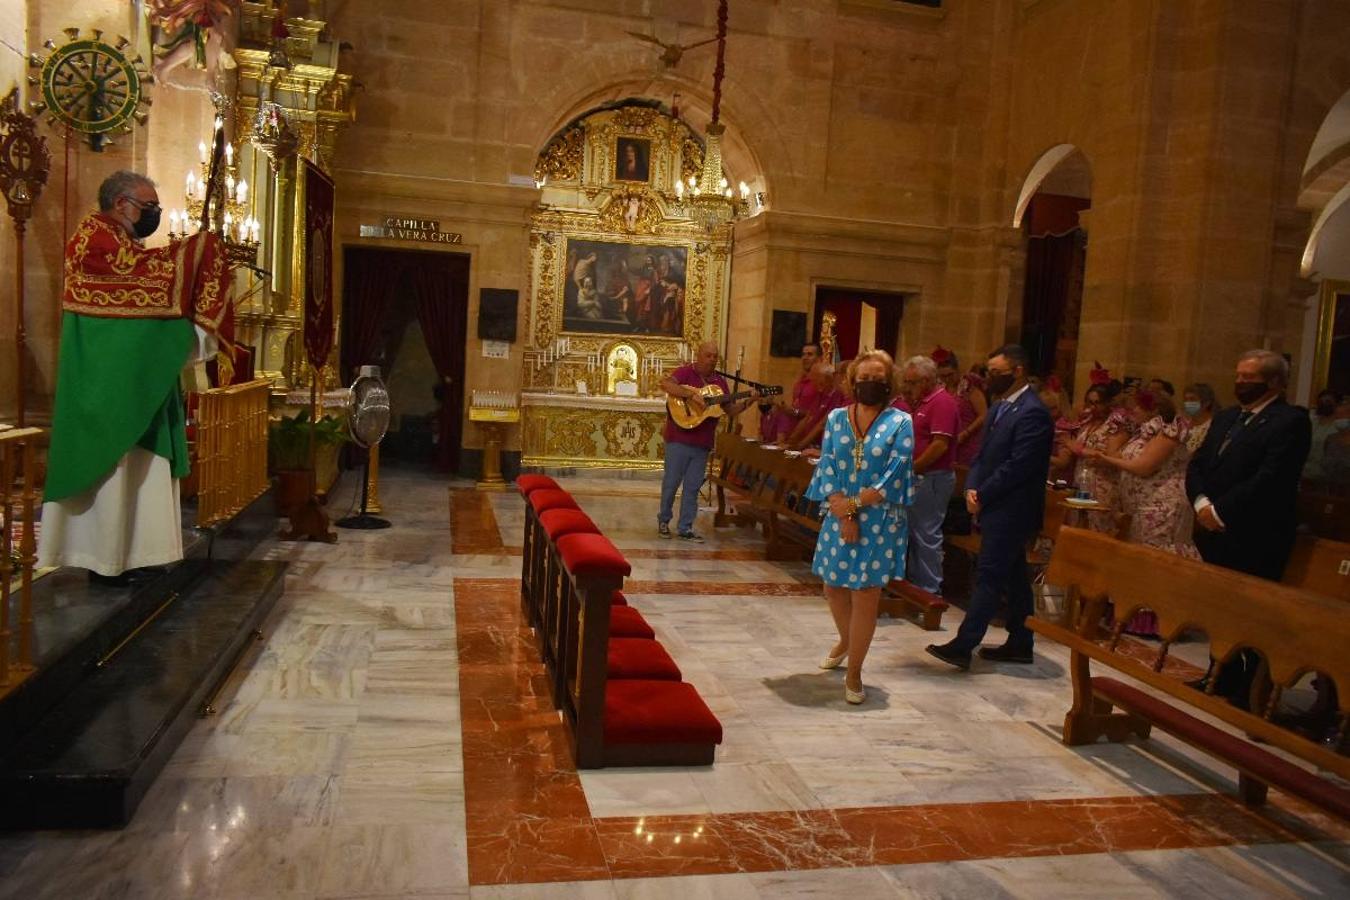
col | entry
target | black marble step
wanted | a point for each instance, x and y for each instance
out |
(89, 760)
(76, 623)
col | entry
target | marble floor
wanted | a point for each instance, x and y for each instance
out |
(392, 737)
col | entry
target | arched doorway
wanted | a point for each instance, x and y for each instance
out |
(406, 311)
(1050, 211)
(1325, 193)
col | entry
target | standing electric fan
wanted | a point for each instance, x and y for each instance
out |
(368, 423)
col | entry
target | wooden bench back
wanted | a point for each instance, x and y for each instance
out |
(1321, 566)
(1327, 514)
(1296, 631)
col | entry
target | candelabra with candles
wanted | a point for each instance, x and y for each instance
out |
(709, 200)
(229, 207)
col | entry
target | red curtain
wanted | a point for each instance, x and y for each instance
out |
(1051, 298)
(439, 291)
(847, 308)
(366, 292)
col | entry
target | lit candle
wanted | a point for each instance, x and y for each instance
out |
(227, 224)
(191, 184)
(679, 190)
(219, 124)
(229, 154)
(243, 191)
(256, 229)
(723, 183)
(201, 150)
(173, 221)
(229, 186)
(745, 191)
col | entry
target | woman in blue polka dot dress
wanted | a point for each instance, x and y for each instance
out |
(865, 479)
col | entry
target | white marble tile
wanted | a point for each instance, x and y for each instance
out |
(400, 798)
(729, 786)
(247, 861)
(394, 860)
(642, 792)
(569, 890)
(405, 749)
(825, 884)
(692, 887)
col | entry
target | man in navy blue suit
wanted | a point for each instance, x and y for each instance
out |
(1005, 489)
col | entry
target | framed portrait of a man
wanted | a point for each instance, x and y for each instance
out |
(631, 289)
(632, 159)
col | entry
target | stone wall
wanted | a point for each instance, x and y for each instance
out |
(892, 141)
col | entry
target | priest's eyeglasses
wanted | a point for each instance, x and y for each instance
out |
(148, 204)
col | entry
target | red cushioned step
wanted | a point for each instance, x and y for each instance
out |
(618, 599)
(658, 712)
(545, 499)
(591, 554)
(528, 484)
(626, 622)
(1260, 764)
(558, 522)
(641, 658)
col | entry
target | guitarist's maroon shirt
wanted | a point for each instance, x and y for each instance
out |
(705, 434)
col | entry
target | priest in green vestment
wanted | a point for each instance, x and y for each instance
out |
(132, 319)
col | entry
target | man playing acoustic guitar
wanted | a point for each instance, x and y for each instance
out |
(686, 454)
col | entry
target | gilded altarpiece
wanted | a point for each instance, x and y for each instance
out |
(291, 102)
(616, 274)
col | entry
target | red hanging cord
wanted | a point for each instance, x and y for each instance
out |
(721, 68)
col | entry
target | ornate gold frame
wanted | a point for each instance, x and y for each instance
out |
(583, 201)
(1326, 320)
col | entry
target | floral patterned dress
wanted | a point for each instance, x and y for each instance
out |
(1160, 514)
(887, 466)
(1195, 436)
(967, 452)
(1101, 481)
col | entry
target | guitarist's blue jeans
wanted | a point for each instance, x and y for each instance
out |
(685, 465)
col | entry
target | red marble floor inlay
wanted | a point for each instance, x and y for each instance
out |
(527, 819)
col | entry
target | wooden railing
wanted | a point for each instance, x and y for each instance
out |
(231, 455)
(19, 492)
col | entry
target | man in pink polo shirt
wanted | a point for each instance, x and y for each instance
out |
(936, 423)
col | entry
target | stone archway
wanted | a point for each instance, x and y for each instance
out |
(1051, 212)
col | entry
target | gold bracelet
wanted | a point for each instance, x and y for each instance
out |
(853, 506)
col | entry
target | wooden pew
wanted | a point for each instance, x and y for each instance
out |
(1321, 566)
(1325, 513)
(1293, 630)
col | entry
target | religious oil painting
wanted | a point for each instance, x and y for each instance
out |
(636, 289)
(632, 159)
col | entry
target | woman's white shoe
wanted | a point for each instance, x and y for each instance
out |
(832, 662)
(855, 697)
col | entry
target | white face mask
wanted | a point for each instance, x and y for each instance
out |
(1192, 407)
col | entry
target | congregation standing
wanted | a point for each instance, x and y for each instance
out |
(1183, 475)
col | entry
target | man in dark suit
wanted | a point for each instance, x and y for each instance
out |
(1243, 482)
(1005, 490)
(1244, 478)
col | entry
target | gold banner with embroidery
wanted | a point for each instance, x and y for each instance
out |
(109, 275)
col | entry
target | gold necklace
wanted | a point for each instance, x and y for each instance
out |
(859, 440)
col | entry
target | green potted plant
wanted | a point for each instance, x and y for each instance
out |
(288, 454)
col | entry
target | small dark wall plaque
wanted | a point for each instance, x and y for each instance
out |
(497, 314)
(789, 333)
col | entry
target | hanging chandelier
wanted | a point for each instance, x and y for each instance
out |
(230, 207)
(709, 199)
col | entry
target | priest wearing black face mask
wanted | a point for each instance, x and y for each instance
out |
(132, 317)
(1243, 480)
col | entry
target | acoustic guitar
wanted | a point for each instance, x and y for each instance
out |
(684, 415)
